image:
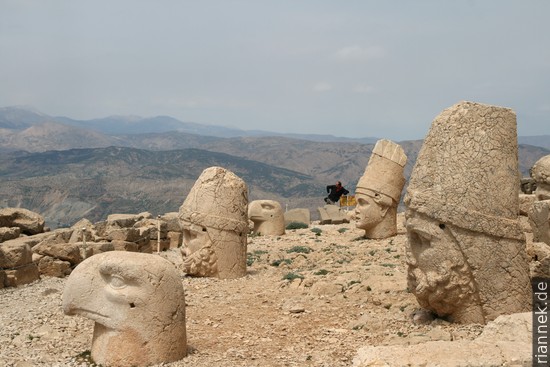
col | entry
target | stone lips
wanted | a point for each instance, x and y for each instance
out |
(476, 160)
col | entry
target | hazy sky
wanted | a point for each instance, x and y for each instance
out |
(352, 68)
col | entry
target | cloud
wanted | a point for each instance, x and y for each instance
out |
(321, 87)
(358, 53)
(363, 88)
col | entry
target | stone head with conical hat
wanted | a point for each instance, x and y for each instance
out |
(379, 190)
(215, 225)
(466, 252)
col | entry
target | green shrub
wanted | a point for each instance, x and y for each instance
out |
(296, 225)
(321, 272)
(281, 261)
(342, 230)
(317, 231)
(300, 249)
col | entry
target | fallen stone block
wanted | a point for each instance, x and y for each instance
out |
(14, 254)
(22, 275)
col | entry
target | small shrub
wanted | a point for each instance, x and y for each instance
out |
(316, 230)
(342, 230)
(300, 249)
(296, 225)
(281, 261)
(251, 257)
(321, 272)
(372, 252)
(292, 276)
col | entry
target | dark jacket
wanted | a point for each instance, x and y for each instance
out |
(335, 193)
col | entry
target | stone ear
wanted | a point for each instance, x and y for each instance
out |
(384, 209)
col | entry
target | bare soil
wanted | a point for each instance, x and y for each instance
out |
(312, 297)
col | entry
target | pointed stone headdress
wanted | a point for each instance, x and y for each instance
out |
(384, 172)
(467, 170)
(218, 199)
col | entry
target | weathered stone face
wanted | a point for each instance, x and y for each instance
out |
(541, 173)
(215, 224)
(540, 212)
(267, 216)
(137, 303)
(379, 190)
(466, 249)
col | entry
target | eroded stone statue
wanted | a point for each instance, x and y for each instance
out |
(267, 216)
(138, 305)
(539, 215)
(214, 218)
(540, 172)
(379, 190)
(466, 250)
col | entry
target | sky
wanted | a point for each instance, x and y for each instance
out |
(354, 68)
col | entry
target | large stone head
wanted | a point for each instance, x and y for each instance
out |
(541, 174)
(466, 251)
(138, 305)
(267, 216)
(539, 215)
(215, 225)
(379, 190)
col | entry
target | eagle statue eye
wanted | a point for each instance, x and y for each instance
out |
(116, 281)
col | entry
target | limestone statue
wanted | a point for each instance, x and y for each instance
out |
(539, 213)
(214, 219)
(466, 249)
(379, 190)
(138, 305)
(540, 172)
(267, 216)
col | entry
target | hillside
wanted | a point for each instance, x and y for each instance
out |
(68, 185)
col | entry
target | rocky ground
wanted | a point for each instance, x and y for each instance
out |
(312, 297)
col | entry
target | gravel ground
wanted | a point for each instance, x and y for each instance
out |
(347, 292)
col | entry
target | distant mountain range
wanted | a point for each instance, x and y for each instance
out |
(57, 167)
(21, 118)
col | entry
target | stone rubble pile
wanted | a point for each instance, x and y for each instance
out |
(29, 250)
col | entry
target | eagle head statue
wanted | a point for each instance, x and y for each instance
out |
(138, 304)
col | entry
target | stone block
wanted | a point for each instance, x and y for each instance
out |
(173, 223)
(125, 246)
(53, 267)
(64, 251)
(324, 217)
(29, 222)
(525, 203)
(539, 217)
(98, 247)
(123, 234)
(299, 215)
(13, 255)
(175, 238)
(22, 275)
(9, 233)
